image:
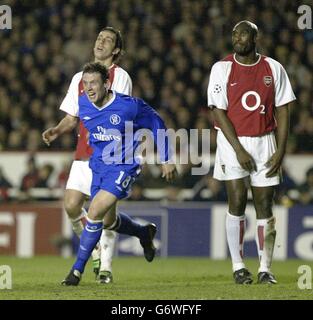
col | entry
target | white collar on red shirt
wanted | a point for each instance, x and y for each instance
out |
(248, 65)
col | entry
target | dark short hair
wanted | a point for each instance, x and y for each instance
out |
(96, 67)
(118, 41)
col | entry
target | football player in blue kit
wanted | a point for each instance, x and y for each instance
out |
(114, 122)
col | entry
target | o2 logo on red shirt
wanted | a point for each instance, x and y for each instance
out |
(257, 102)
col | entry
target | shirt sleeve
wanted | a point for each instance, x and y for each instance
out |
(122, 82)
(217, 88)
(283, 90)
(148, 118)
(70, 102)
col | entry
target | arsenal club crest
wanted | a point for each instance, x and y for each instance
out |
(267, 80)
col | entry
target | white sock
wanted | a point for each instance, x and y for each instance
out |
(235, 229)
(107, 242)
(265, 240)
(78, 227)
(77, 223)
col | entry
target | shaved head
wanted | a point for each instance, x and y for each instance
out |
(249, 24)
(244, 37)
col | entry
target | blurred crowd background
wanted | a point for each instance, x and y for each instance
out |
(170, 47)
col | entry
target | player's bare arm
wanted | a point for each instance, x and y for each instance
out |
(169, 171)
(282, 118)
(67, 124)
(244, 158)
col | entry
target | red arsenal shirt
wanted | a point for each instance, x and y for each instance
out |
(249, 93)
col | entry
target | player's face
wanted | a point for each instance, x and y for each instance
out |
(94, 87)
(105, 45)
(243, 39)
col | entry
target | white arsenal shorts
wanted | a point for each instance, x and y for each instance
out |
(80, 177)
(260, 148)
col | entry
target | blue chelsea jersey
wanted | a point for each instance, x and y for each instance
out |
(114, 130)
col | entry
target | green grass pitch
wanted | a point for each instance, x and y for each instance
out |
(171, 278)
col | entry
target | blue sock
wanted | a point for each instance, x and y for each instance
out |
(126, 225)
(88, 240)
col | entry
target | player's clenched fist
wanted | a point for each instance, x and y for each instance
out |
(49, 135)
(169, 171)
(67, 124)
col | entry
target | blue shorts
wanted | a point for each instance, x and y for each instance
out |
(117, 181)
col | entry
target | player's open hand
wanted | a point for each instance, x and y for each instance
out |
(246, 161)
(49, 135)
(274, 164)
(169, 171)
